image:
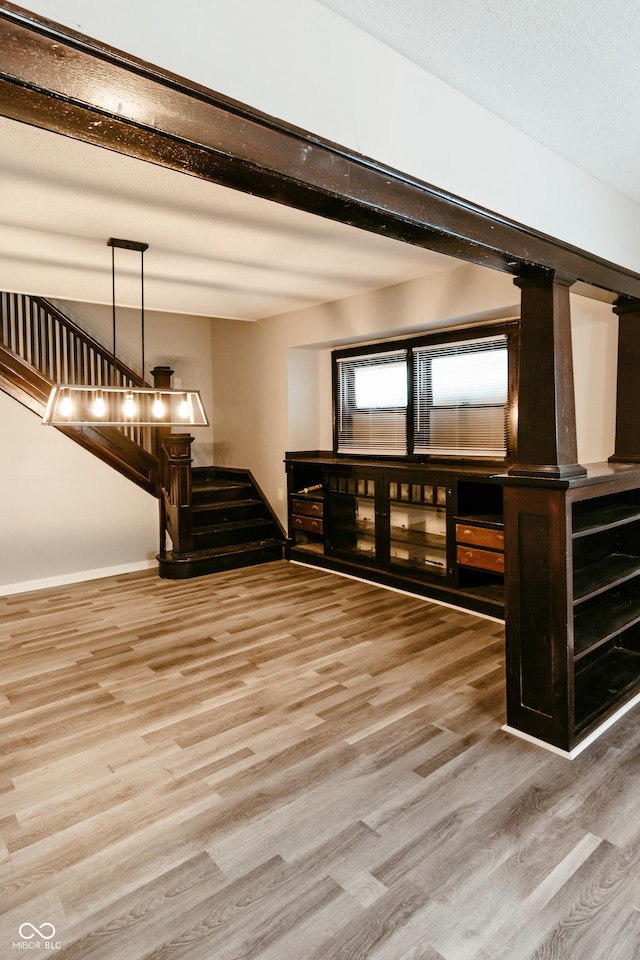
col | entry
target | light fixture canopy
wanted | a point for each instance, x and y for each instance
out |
(78, 405)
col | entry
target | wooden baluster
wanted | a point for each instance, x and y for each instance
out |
(35, 338)
(57, 350)
(45, 342)
(15, 345)
(4, 319)
(13, 339)
(33, 333)
(23, 327)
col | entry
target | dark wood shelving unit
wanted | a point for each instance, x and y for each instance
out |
(573, 633)
(395, 523)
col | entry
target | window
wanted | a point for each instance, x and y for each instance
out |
(460, 398)
(372, 403)
(379, 385)
(428, 396)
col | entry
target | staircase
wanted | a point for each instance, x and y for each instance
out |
(232, 525)
(40, 346)
(216, 518)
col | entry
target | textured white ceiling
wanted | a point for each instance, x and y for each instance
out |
(566, 72)
(212, 251)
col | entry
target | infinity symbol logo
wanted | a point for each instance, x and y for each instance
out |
(34, 930)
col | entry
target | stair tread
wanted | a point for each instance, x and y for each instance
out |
(203, 485)
(224, 504)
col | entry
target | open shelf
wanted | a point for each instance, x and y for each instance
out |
(602, 621)
(424, 561)
(418, 537)
(602, 575)
(604, 684)
(604, 518)
(314, 547)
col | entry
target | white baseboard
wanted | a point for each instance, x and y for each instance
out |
(406, 593)
(577, 750)
(78, 576)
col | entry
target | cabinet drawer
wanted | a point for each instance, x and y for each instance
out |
(308, 508)
(481, 559)
(311, 524)
(480, 536)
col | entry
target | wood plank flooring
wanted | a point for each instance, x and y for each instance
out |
(283, 764)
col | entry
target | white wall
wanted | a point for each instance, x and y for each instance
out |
(282, 400)
(594, 329)
(65, 514)
(275, 56)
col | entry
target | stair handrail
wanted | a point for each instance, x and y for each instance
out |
(36, 331)
(136, 379)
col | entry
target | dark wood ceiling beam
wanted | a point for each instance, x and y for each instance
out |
(55, 79)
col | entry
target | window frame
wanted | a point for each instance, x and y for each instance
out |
(471, 334)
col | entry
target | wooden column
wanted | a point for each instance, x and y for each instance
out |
(628, 393)
(547, 445)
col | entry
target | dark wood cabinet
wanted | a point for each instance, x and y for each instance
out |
(573, 603)
(396, 523)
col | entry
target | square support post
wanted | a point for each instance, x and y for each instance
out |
(547, 444)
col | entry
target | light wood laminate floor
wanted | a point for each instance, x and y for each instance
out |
(283, 764)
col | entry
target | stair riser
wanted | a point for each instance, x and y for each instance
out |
(185, 569)
(221, 494)
(224, 538)
(227, 514)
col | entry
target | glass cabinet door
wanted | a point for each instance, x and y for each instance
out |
(353, 515)
(418, 527)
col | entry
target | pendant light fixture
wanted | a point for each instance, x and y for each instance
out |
(128, 405)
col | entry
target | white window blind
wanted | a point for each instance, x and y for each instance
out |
(372, 403)
(460, 398)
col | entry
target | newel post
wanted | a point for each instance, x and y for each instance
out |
(161, 381)
(547, 443)
(627, 449)
(177, 493)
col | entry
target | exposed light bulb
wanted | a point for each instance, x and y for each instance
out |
(99, 406)
(183, 409)
(158, 407)
(129, 405)
(66, 406)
